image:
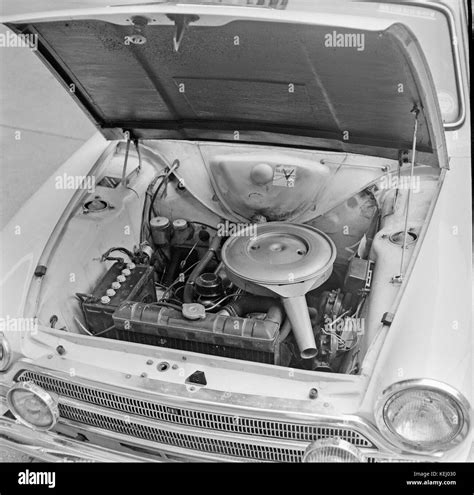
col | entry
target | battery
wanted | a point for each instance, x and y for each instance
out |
(118, 285)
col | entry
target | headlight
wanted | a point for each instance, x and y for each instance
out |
(423, 416)
(33, 406)
(5, 353)
(332, 450)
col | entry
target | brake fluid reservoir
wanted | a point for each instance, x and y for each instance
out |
(183, 230)
(160, 230)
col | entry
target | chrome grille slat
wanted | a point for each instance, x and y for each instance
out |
(183, 440)
(193, 418)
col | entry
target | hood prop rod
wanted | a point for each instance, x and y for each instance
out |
(400, 277)
(136, 143)
(123, 182)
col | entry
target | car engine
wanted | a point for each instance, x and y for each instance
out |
(270, 292)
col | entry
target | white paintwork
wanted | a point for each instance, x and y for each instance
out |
(421, 343)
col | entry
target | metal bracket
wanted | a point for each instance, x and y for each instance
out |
(387, 318)
(40, 271)
(181, 23)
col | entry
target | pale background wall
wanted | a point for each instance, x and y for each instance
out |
(51, 127)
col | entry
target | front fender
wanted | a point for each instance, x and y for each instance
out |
(25, 236)
(431, 334)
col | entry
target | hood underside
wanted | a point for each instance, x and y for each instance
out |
(264, 82)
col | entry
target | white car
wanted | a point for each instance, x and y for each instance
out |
(264, 254)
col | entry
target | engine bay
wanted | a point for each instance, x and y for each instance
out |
(269, 293)
(297, 273)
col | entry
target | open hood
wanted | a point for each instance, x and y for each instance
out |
(261, 81)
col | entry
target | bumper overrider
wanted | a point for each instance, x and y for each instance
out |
(92, 422)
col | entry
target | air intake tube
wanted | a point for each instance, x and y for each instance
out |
(297, 312)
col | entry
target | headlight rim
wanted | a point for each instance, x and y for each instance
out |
(50, 399)
(6, 361)
(335, 442)
(425, 384)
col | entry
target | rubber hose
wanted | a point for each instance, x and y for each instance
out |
(199, 268)
(250, 304)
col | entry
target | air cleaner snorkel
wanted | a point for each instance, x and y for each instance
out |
(282, 260)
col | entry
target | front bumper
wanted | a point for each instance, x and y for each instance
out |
(20, 443)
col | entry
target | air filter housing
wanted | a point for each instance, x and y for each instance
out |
(283, 260)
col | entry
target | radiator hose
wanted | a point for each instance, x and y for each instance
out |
(188, 294)
(249, 304)
(252, 304)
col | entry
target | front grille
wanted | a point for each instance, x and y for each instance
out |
(192, 442)
(193, 418)
(133, 409)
